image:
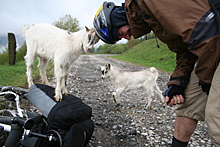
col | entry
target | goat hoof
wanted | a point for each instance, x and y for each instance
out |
(58, 99)
(117, 105)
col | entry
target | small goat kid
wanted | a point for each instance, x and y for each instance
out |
(48, 42)
(131, 80)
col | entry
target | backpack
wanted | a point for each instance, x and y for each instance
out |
(71, 116)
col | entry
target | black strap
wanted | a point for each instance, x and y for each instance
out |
(215, 4)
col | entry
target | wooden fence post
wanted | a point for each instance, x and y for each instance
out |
(11, 48)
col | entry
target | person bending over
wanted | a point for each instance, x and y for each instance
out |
(191, 29)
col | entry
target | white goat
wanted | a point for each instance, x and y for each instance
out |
(131, 80)
(48, 42)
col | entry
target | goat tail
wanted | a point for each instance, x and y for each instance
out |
(24, 29)
(154, 70)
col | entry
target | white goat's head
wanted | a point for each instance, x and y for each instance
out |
(105, 71)
(90, 40)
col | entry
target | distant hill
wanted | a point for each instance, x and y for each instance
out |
(4, 41)
(147, 54)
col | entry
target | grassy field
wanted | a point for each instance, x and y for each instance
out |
(148, 54)
(13, 75)
(16, 75)
(144, 54)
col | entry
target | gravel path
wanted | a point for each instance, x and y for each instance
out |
(129, 125)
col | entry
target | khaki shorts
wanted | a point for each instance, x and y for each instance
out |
(197, 105)
(213, 109)
(195, 101)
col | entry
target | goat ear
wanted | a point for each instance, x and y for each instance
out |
(108, 66)
(87, 29)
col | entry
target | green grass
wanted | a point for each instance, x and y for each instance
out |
(147, 54)
(13, 75)
(16, 75)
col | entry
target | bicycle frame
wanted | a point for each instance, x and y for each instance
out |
(17, 100)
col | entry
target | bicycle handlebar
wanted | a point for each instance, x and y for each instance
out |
(18, 125)
(27, 123)
(14, 136)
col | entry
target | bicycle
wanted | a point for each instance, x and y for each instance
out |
(23, 128)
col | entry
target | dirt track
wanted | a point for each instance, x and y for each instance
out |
(129, 125)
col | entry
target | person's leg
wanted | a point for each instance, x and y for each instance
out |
(187, 116)
(184, 127)
(213, 109)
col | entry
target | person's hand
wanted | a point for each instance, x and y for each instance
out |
(178, 99)
(174, 95)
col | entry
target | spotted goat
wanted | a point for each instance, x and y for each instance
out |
(122, 80)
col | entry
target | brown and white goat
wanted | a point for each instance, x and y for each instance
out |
(132, 80)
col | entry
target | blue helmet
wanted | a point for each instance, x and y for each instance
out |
(108, 19)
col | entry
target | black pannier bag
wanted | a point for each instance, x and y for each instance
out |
(70, 115)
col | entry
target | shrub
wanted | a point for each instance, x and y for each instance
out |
(21, 52)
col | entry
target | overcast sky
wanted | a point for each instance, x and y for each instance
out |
(15, 13)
